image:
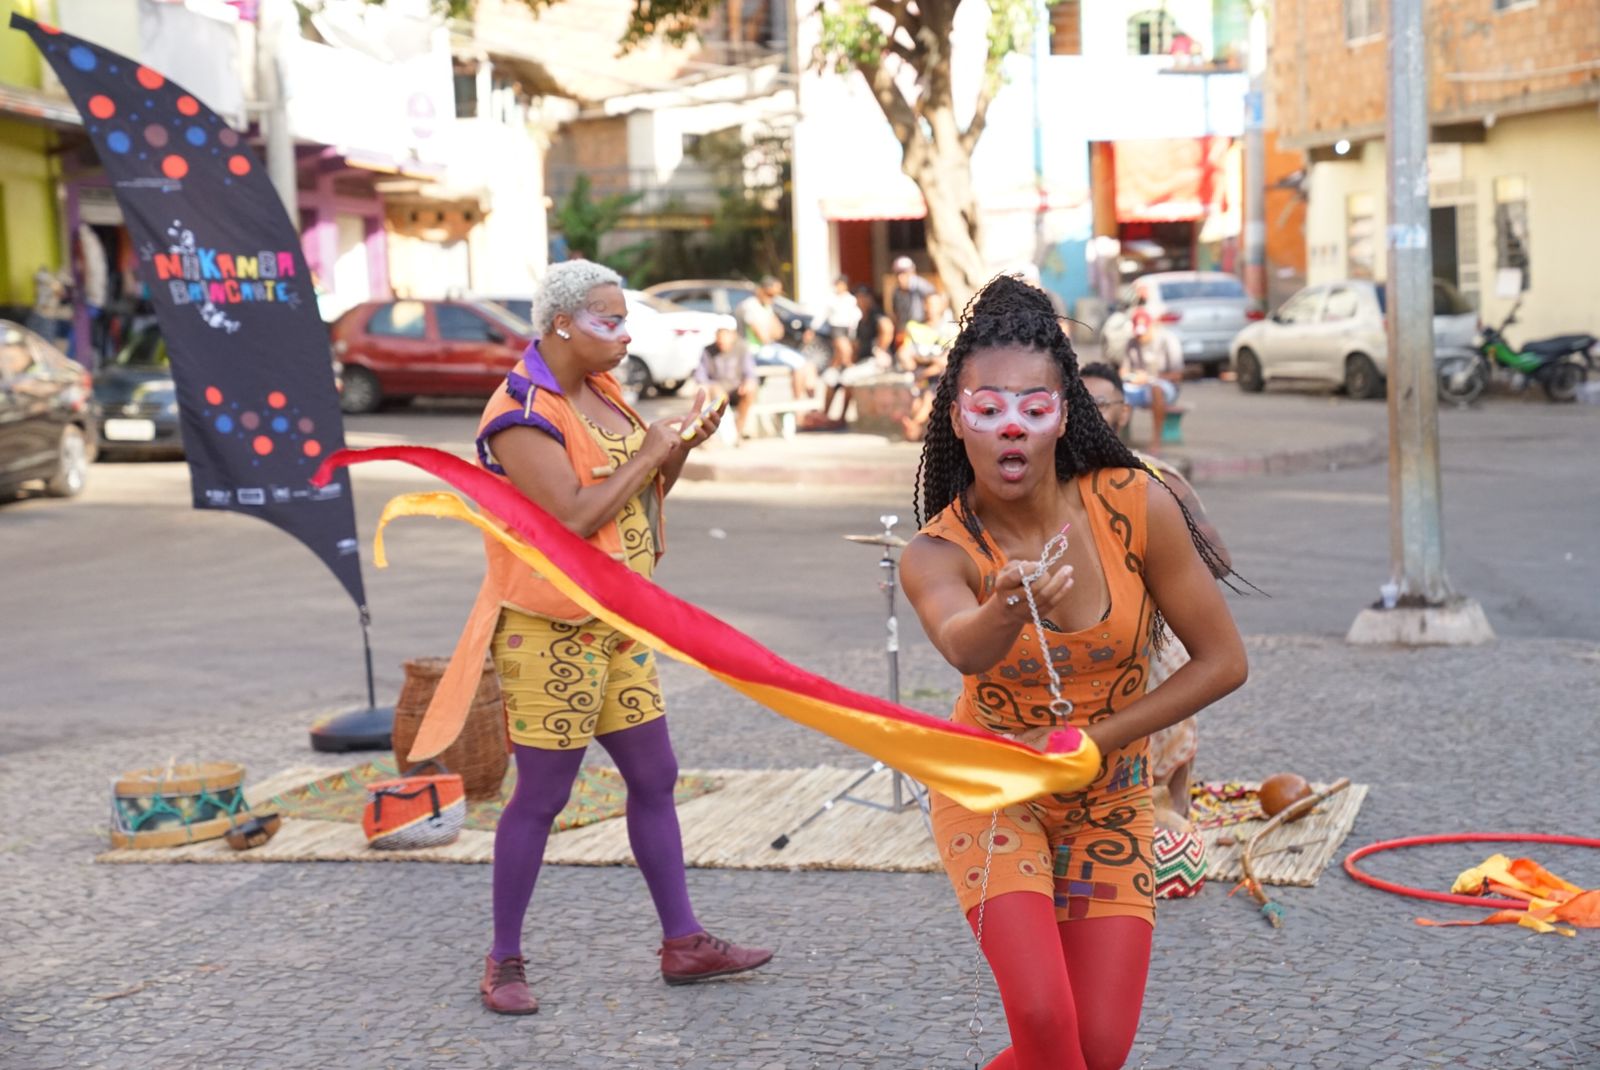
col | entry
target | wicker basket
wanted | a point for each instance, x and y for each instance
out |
(479, 754)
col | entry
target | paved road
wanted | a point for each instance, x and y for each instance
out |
(136, 629)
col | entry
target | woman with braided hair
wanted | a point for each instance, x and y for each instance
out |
(1016, 462)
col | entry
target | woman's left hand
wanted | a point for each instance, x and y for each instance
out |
(1039, 737)
(697, 428)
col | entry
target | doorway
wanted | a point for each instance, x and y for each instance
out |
(1446, 246)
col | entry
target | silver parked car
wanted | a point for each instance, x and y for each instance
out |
(1202, 309)
(1334, 333)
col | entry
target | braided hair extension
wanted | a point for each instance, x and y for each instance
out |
(1011, 312)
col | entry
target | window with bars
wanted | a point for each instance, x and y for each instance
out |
(1361, 235)
(1362, 19)
(1150, 33)
(1511, 225)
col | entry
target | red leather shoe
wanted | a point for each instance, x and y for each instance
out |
(701, 956)
(504, 987)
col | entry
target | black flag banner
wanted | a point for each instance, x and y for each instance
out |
(232, 294)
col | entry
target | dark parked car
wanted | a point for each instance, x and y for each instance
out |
(724, 295)
(138, 401)
(397, 350)
(47, 415)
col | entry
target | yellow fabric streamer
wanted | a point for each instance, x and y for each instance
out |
(977, 770)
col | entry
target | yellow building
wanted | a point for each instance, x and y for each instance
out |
(30, 228)
(1513, 89)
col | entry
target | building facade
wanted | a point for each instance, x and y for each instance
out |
(32, 123)
(1514, 102)
(1118, 130)
(417, 146)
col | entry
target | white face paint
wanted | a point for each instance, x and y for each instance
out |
(605, 328)
(989, 411)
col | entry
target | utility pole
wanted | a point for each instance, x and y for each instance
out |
(1255, 160)
(272, 26)
(1041, 48)
(1418, 606)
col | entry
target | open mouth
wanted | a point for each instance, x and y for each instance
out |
(1013, 465)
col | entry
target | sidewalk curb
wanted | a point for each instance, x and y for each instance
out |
(802, 474)
(1369, 449)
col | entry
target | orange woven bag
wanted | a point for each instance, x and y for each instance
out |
(415, 809)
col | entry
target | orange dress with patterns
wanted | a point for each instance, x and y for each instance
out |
(1090, 850)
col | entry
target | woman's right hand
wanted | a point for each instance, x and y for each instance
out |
(1047, 590)
(662, 440)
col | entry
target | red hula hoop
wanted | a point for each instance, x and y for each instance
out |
(1485, 902)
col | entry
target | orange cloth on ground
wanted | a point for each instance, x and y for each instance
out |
(1550, 899)
(1089, 850)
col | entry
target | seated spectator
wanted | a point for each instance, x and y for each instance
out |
(1153, 370)
(924, 354)
(908, 301)
(927, 339)
(728, 372)
(763, 330)
(868, 354)
(843, 315)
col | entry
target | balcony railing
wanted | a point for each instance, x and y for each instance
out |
(689, 189)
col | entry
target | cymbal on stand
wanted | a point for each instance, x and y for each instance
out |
(879, 540)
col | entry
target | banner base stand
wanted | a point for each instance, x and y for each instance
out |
(370, 728)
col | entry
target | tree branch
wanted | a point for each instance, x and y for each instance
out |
(901, 115)
(980, 111)
(900, 11)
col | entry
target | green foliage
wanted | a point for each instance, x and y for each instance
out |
(1011, 29)
(850, 38)
(751, 231)
(584, 220)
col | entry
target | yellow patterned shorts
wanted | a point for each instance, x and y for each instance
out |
(564, 684)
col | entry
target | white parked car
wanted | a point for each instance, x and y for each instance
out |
(667, 343)
(1203, 310)
(1334, 333)
(667, 340)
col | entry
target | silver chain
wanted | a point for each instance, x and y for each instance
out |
(1060, 707)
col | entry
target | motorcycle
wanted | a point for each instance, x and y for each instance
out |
(1559, 365)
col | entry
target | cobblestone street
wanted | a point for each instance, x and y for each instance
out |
(279, 967)
(375, 965)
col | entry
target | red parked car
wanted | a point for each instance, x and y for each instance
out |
(398, 350)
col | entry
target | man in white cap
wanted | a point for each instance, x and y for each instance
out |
(911, 292)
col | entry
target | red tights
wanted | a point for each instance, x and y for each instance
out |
(1078, 1010)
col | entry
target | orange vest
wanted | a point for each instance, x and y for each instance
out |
(530, 397)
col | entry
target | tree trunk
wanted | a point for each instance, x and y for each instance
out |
(943, 172)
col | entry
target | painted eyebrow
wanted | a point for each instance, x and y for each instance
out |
(1019, 393)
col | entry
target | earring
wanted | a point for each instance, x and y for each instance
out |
(562, 334)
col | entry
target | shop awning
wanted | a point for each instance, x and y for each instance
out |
(1169, 181)
(32, 105)
(892, 203)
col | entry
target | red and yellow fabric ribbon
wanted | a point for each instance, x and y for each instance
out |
(976, 769)
(1550, 899)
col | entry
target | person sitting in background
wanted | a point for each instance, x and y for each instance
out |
(926, 339)
(763, 330)
(924, 355)
(1153, 370)
(728, 372)
(911, 292)
(869, 354)
(842, 316)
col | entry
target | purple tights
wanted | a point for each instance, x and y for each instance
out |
(544, 782)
